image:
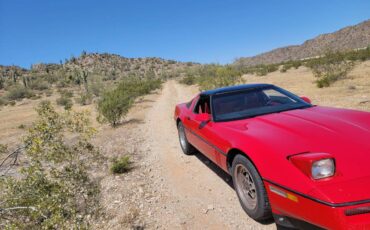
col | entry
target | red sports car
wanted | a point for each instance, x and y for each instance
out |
(307, 166)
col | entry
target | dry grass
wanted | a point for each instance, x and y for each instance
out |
(352, 92)
(23, 113)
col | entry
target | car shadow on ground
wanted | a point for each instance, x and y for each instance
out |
(225, 177)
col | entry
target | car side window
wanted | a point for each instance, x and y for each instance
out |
(203, 105)
(277, 98)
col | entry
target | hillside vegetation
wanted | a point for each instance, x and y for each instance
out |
(330, 67)
(87, 75)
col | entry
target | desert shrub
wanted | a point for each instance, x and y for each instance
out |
(260, 70)
(212, 76)
(66, 93)
(65, 99)
(66, 102)
(3, 101)
(49, 92)
(52, 78)
(39, 84)
(284, 68)
(114, 104)
(96, 88)
(358, 55)
(290, 64)
(55, 190)
(19, 92)
(85, 98)
(3, 149)
(263, 70)
(63, 84)
(2, 82)
(329, 68)
(120, 165)
(188, 80)
(215, 76)
(35, 97)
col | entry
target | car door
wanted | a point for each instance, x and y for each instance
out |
(201, 132)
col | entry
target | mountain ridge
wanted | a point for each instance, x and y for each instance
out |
(348, 38)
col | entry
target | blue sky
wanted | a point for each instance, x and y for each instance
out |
(206, 31)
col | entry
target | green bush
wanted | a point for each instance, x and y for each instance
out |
(290, 64)
(39, 84)
(85, 98)
(65, 100)
(19, 92)
(114, 104)
(212, 76)
(96, 88)
(66, 93)
(2, 82)
(49, 92)
(263, 70)
(188, 80)
(358, 55)
(216, 76)
(329, 68)
(55, 189)
(3, 101)
(120, 165)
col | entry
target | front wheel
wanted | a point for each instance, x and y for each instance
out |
(186, 147)
(250, 189)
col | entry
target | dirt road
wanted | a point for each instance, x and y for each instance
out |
(198, 194)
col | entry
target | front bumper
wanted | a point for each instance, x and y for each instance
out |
(285, 202)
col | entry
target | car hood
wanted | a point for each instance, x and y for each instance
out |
(345, 134)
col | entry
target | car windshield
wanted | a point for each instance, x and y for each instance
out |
(253, 102)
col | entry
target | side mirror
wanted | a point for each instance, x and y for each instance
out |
(203, 117)
(306, 99)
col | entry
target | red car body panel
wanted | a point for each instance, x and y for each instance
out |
(269, 140)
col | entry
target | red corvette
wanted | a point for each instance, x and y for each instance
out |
(307, 166)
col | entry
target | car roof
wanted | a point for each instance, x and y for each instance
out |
(229, 89)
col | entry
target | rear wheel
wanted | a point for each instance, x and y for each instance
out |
(250, 189)
(186, 147)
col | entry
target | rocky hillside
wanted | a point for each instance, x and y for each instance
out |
(102, 64)
(348, 38)
(111, 63)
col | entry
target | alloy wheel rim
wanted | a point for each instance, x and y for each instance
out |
(246, 187)
(182, 137)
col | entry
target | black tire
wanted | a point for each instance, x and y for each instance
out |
(258, 208)
(186, 147)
